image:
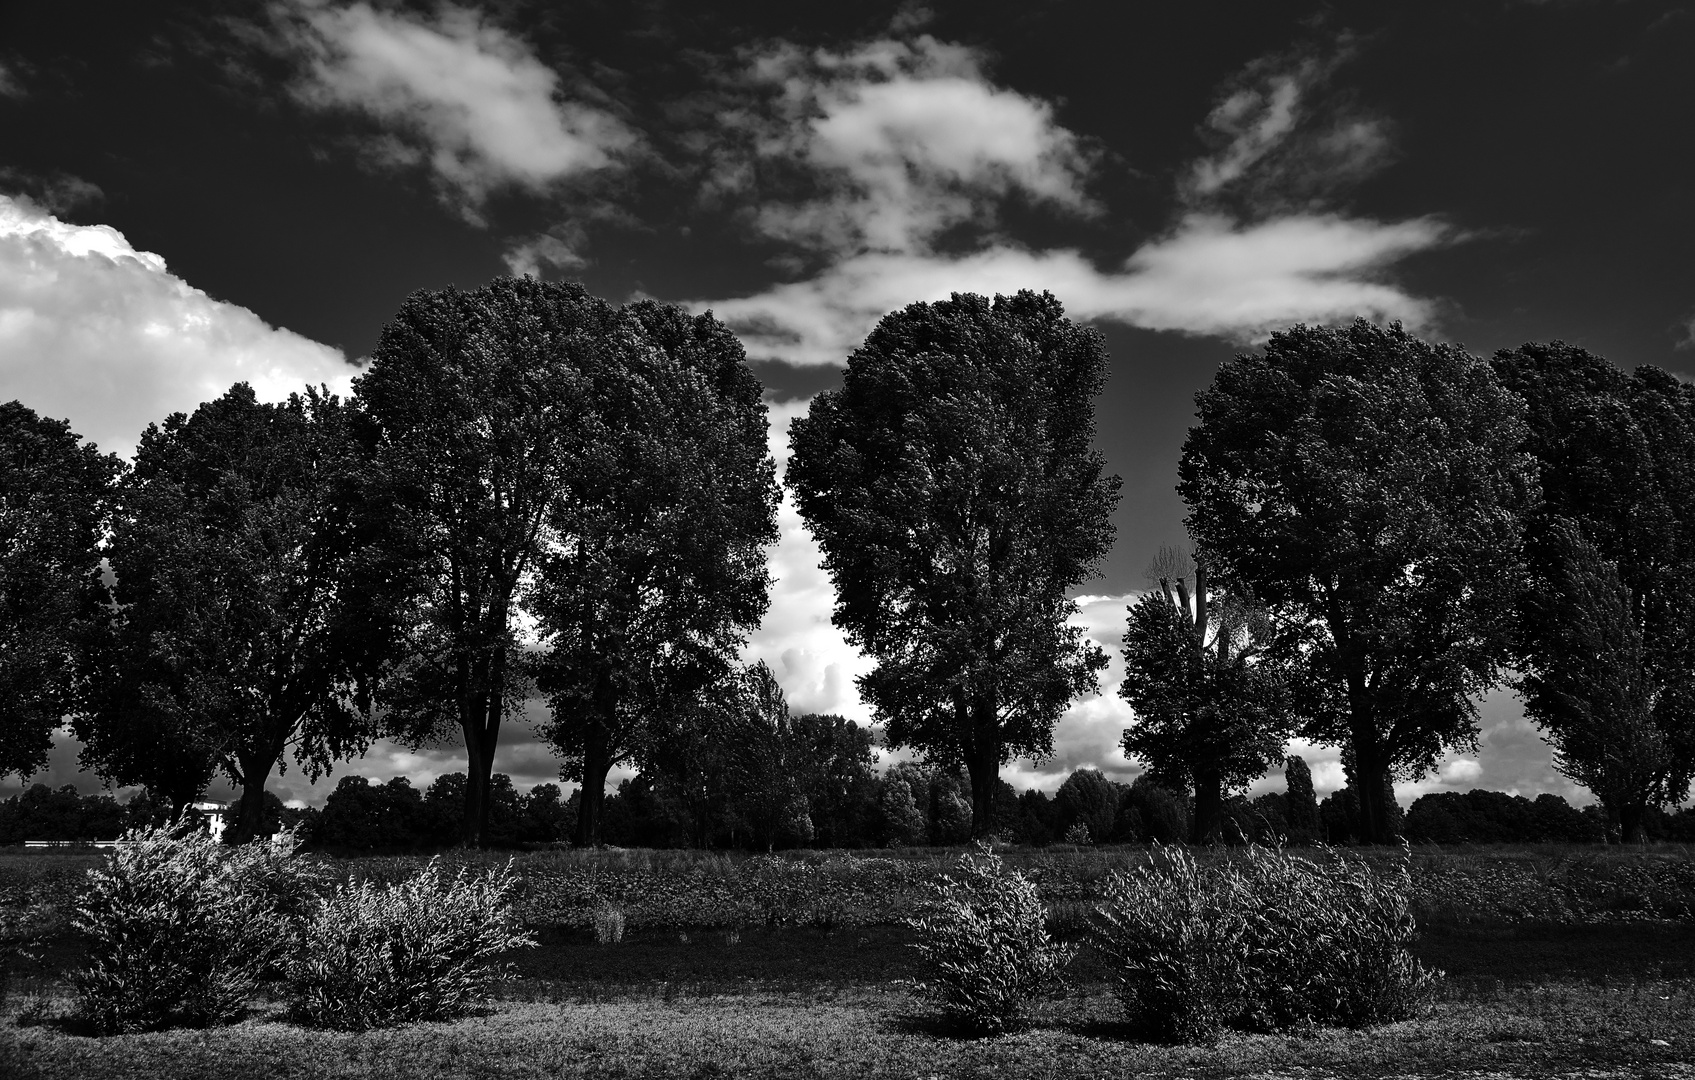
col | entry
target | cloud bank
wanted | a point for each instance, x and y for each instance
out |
(96, 332)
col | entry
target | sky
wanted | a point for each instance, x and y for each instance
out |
(193, 194)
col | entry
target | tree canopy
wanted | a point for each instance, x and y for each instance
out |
(951, 485)
(1370, 488)
(234, 630)
(1211, 705)
(653, 568)
(53, 498)
(1607, 619)
(481, 413)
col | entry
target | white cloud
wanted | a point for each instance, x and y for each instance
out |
(811, 659)
(1210, 275)
(464, 97)
(906, 138)
(528, 257)
(96, 332)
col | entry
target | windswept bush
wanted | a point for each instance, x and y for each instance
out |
(421, 949)
(1268, 942)
(180, 928)
(1177, 933)
(985, 937)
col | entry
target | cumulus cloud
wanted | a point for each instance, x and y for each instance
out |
(96, 332)
(454, 94)
(896, 141)
(899, 141)
(811, 659)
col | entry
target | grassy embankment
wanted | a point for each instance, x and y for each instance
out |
(1560, 962)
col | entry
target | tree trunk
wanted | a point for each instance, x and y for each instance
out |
(476, 787)
(1370, 769)
(251, 809)
(1632, 820)
(1209, 809)
(983, 763)
(597, 763)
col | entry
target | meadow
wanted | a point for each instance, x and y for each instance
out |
(1558, 961)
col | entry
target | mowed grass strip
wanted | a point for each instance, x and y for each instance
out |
(1647, 1029)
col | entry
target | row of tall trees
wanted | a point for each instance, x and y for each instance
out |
(1388, 527)
(534, 493)
(529, 488)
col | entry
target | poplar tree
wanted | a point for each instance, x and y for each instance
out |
(953, 489)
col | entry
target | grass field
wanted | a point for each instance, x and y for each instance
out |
(1587, 996)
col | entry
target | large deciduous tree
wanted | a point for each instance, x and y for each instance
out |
(235, 630)
(53, 498)
(1370, 487)
(1210, 703)
(481, 410)
(1607, 620)
(655, 566)
(951, 485)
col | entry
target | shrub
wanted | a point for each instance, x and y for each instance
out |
(1328, 943)
(180, 928)
(1269, 942)
(1177, 933)
(983, 934)
(377, 956)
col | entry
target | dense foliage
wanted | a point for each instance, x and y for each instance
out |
(953, 489)
(1606, 627)
(479, 410)
(984, 935)
(1371, 488)
(374, 956)
(653, 572)
(246, 618)
(180, 928)
(53, 499)
(1211, 705)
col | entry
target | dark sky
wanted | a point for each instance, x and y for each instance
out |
(1187, 177)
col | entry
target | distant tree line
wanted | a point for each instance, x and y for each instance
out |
(534, 495)
(906, 806)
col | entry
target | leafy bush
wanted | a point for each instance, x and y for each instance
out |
(1177, 933)
(1328, 943)
(180, 928)
(381, 955)
(1268, 942)
(984, 934)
